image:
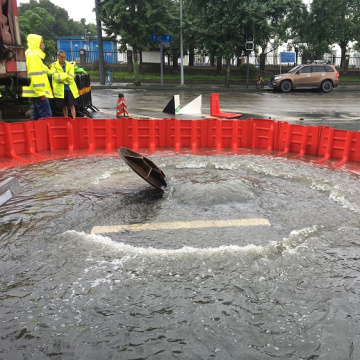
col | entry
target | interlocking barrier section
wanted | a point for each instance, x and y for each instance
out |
(26, 141)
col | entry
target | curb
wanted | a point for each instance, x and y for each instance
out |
(343, 87)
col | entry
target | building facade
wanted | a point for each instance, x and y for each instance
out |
(73, 44)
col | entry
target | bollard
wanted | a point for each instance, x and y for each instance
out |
(121, 109)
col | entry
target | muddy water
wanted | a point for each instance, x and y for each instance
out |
(285, 291)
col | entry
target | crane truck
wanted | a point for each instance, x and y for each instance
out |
(12, 61)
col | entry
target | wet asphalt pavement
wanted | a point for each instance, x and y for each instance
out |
(287, 292)
(338, 109)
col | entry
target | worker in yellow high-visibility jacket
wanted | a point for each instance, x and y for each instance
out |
(39, 89)
(64, 86)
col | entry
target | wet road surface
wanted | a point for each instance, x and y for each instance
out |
(338, 109)
(284, 288)
(285, 291)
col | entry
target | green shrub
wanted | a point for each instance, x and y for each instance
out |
(252, 70)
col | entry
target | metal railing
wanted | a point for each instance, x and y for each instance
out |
(115, 57)
(110, 56)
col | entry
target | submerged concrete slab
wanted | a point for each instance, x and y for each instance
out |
(8, 188)
(181, 225)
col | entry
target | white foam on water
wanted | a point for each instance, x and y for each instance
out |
(132, 250)
(296, 239)
(104, 176)
(338, 195)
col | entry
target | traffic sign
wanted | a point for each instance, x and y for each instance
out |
(249, 37)
(249, 45)
(287, 57)
(161, 38)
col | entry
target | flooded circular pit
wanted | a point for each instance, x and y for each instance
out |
(242, 256)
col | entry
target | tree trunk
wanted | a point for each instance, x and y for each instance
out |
(130, 66)
(304, 58)
(227, 74)
(175, 59)
(140, 67)
(191, 55)
(219, 64)
(344, 64)
(136, 67)
(262, 61)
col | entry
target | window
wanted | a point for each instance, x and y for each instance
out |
(329, 69)
(305, 70)
(318, 69)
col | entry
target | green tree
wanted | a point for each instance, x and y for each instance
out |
(189, 29)
(347, 26)
(296, 33)
(221, 27)
(134, 21)
(63, 24)
(37, 21)
(273, 24)
(318, 31)
(173, 26)
(330, 22)
(48, 20)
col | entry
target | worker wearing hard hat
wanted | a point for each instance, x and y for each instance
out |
(39, 89)
(64, 86)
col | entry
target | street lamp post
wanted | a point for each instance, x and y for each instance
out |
(100, 44)
(86, 39)
(181, 48)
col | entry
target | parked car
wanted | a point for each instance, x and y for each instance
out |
(321, 76)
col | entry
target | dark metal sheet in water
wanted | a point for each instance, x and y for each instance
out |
(144, 168)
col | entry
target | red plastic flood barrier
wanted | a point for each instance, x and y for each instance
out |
(215, 109)
(18, 140)
(300, 139)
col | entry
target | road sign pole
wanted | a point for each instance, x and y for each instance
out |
(161, 39)
(161, 63)
(247, 71)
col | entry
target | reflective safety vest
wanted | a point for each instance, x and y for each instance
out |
(37, 70)
(61, 77)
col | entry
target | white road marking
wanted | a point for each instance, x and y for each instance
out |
(195, 224)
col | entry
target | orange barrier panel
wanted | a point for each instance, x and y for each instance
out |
(337, 143)
(215, 108)
(302, 139)
(58, 133)
(186, 134)
(146, 132)
(139, 133)
(263, 134)
(179, 133)
(14, 144)
(18, 138)
(355, 146)
(94, 134)
(99, 134)
(3, 143)
(30, 139)
(41, 135)
(228, 134)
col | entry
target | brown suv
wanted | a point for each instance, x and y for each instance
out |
(322, 76)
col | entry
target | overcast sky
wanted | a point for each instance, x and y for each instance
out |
(76, 9)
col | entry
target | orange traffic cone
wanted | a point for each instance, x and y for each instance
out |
(121, 109)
